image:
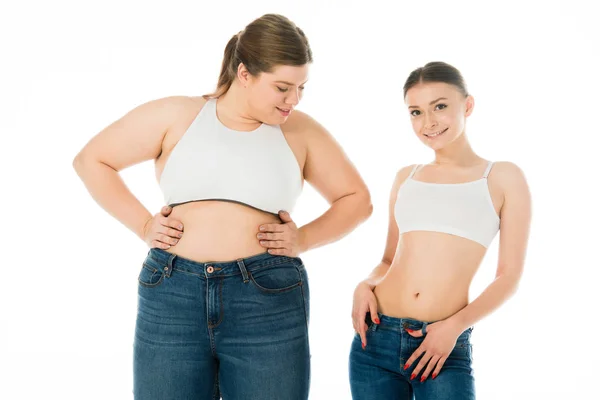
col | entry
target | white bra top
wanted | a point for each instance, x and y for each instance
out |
(213, 162)
(462, 209)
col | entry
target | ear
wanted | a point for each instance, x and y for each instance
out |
(469, 105)
(243, 74)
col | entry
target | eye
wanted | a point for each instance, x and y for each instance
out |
(282, 90)
(415, 113)
(301, 87)
(440, 106)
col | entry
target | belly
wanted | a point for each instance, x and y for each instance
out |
(430, 276)
(219, 230)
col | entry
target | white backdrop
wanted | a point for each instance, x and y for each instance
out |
(69, 271)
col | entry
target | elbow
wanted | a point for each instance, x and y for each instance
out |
(366, 205)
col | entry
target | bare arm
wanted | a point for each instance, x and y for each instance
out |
(514, 234)
(134, 138)
(392, 237)
(330, 172)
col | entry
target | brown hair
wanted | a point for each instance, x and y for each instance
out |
(437, 71)
(265, 43)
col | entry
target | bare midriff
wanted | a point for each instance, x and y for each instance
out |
(429, 277)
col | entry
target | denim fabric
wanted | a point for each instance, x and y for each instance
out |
(234, 329)
(377, 372)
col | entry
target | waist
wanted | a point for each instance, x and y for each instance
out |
(219, 230)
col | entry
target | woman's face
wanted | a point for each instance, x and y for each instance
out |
(438, 112)
(272, 96)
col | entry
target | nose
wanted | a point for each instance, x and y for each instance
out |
(293, 98)
(430, 121)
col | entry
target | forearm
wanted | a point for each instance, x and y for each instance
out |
(489, 300)
(341, 218)
(108, 190)
(377, 274)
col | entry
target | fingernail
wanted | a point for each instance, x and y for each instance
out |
(262, 228)
(363, 346)
(262, 242)
(409, 330)
(180, 234)
(260, 235)
(412, 376)
(406, 366)
(180, 227)
(433, 376)
(376, 320)
(423, 379)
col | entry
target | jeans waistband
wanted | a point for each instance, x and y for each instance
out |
(212, 269)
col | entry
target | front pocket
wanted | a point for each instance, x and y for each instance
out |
(150, 276)
(276, 279)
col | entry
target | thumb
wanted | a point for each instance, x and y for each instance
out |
(415, 333)
(285, 216)
(166, 210)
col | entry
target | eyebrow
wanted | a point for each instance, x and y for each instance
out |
(430, 103)
(291, 84)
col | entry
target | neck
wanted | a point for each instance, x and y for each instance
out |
(233, 109)
(457, 153)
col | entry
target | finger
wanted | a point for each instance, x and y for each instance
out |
(438, 367)
(416, 354)
(424, 360)
(165, 211)
(273, 244)
(160, 245)
(373, 311)
(416, 332)
(166, 239)
(279, 252)
(272, 228)
(362, 331)
(170, 222)
(285, 216)
(270, 236)
(173, 233)
(430, 365)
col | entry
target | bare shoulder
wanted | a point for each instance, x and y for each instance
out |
(507, 174)
(301, 123)
(403, 174)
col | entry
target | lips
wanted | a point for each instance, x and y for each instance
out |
(436, 133)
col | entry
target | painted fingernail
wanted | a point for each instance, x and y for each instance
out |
(433, 376)
(423, 379)
(363, 345)
(376, 320)
(406, 366)
(409, 330)
(413, 376)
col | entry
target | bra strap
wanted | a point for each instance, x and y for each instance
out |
(487, 170)
(414, 170)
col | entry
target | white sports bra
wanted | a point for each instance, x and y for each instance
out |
(462, 209)
(214, 162)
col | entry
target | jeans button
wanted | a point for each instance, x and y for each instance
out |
(210, 269)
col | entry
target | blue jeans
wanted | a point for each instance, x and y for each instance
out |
(234, 329)
(377, 373)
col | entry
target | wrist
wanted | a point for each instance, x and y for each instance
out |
(302, 243)
(141, 232)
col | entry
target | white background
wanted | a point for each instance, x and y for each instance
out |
(69, 271)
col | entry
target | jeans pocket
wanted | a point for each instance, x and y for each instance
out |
(150, 275)
(278, 278)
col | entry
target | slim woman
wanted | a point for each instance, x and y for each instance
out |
(412, 314)
(223, 305)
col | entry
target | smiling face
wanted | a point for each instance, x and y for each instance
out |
(272, 96)
(438, 112)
